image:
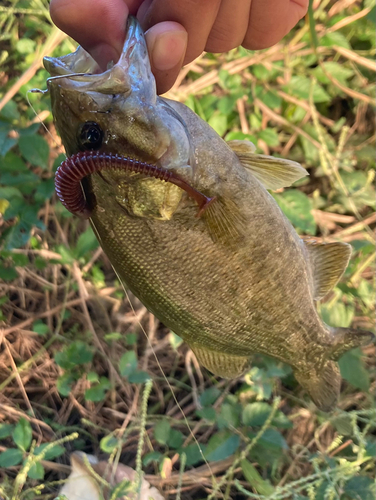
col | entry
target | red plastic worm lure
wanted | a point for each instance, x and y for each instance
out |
(75, 168)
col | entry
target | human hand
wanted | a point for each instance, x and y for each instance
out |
(177, 30)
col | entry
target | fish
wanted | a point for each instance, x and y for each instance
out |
(189, 225)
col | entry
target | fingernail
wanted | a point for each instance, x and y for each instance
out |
(104, 54)
(169, 49)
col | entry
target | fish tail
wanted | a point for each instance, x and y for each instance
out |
(344, 339)
(323, 385)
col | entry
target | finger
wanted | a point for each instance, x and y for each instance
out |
(196, 16)
(167, 43)
(98, 26)
(230, 26)
(271, 20)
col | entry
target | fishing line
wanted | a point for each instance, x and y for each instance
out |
(39, 91)
(168, 383)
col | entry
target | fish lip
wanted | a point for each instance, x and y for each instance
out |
(132, 72)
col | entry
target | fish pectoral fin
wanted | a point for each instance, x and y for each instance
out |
(273, 173)
(221, 364)
(323, 385)
(224, 221)
(344, 339)
(328, 263)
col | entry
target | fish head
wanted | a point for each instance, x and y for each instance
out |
(118, 112)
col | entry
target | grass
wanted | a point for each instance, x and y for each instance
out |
(74, 360)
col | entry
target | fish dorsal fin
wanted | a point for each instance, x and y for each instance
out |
(223, 365)
(328, 263)
(273, 173)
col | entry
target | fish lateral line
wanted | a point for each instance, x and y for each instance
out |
(78, 166)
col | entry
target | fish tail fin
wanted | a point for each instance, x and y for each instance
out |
(344, 339)
(323, 385)
(224, 220)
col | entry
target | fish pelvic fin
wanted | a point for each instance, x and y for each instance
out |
(221, 364)
(224, 221)
(273, 173)
(323, 385)
(328, 262)
(344, 339)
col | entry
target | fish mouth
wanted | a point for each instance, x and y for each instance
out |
(131, 73)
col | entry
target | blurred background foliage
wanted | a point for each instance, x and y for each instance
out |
(73, 355)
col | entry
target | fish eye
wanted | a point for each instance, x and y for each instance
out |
(90, 136)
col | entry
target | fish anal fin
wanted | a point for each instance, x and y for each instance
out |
(323, 385)
(328, 262)
(221, 364)
(273, 173)
(344, 339)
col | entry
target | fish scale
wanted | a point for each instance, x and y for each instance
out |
(231, 279)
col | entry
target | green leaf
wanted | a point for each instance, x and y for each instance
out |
(22, 434)
(353, 369)
(273, 439)
(6, 430)
(20, 259)
(35, 150)
(55, 451)
(162, 431)
(138, 377)
(239, 136)
(335, 38)
(25, 46)
(128, 363)
(10, 457)
(338, 71)
(92, 377)
(64, 383)
(109, 443)
(255, 480)
(360, 488)
(36, 471)
(87, 242)
(271, 99)
(77, 353)
(8, 273)
(255, 414)
(337, 314)
(193, 453)
(175, 439)
(98, 392)
(301, 86)
(219, 123)
(174, 340)
(153, 456)
(45, 190)
(40, 327)
(228, 415)
(207, 413)
(270, 136)
(109, 337)
(298, 209)
(209, 396)
(131, 338)
(222, 445)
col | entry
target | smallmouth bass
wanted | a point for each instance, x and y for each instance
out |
(189, 226)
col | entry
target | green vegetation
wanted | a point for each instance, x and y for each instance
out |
(74, 359)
